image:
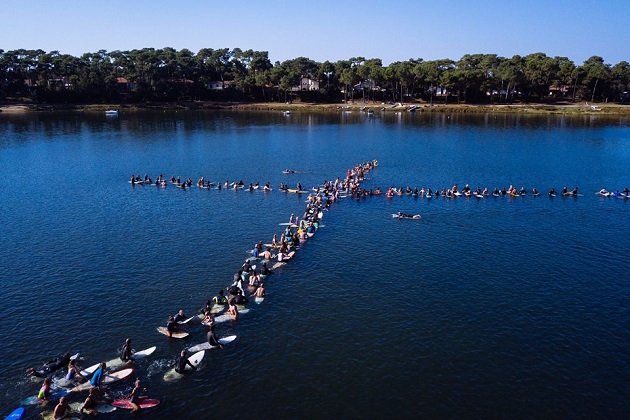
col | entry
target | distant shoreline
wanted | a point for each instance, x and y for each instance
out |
(533, 108)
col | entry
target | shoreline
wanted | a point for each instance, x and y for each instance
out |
(580, 108)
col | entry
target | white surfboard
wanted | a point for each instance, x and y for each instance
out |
(117, 362)
(176, 334)
(207, 346)
(109, 378)
(259, 300)
(195, 359)
(186, 321)
(227, 317)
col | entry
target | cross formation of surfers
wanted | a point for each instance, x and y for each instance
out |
(249, 279)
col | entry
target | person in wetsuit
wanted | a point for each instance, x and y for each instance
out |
(182, 362)
(126, 351)
(50, 366)
(212, 338)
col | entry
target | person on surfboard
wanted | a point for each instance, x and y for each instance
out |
(97, 377)
(179, 316)
(50, 366)
(62, 410)
(126, 351)
(182, 362)
(220, 299)
(232, 309)
(171, 326)
(212, 338)
(134, 398)
(90, 403)
(260, 291)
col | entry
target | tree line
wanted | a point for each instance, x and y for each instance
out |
(225, 74)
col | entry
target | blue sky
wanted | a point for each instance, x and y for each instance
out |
(393, 30)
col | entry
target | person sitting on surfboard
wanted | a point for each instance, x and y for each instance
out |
(232, 309)
(126, 351)
(182, 362)
(45, 391)
(179, 316)
(171, 326)
(240, 299)
(212, 338)
(208, 319)
(552, 191)
(62, 410)
(264, 271)
(134, 398)
(260, 292)
(219, 299)
(73, 371)
(97, 377)
(89, 405)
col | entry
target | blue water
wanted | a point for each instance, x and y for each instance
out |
(497, 307)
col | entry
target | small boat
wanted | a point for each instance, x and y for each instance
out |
(112, 112)
(286, 113)
(412, 108)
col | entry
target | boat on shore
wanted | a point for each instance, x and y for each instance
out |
(111, 112)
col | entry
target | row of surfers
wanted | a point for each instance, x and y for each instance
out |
(296, 233)
(468, 192)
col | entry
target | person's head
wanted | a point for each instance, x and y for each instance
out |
(220, 292)
(183, 353)
(47, 381)
(62, 400)
(103, 365)
(66, 355)
(170, 318)
(128, 341)
(181, 312)
(262, 284)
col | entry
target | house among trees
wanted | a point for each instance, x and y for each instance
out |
(306, 84)
(218, 84)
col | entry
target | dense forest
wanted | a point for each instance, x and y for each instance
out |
(167, 74)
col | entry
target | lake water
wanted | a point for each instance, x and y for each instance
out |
(485, 308)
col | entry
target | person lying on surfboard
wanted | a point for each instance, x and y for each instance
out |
(50, 366)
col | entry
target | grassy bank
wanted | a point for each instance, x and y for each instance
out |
(569, 108)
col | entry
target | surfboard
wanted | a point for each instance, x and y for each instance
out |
(186, 321)
(207, 346)
(53, 397)
(109, 378)
(117, 362)
(415, 216)
(194, 360)
(259, 299)
(142, 403)
(16, 414)
(227, 317)
(49, 415)
(101, 408)
(176, 334)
